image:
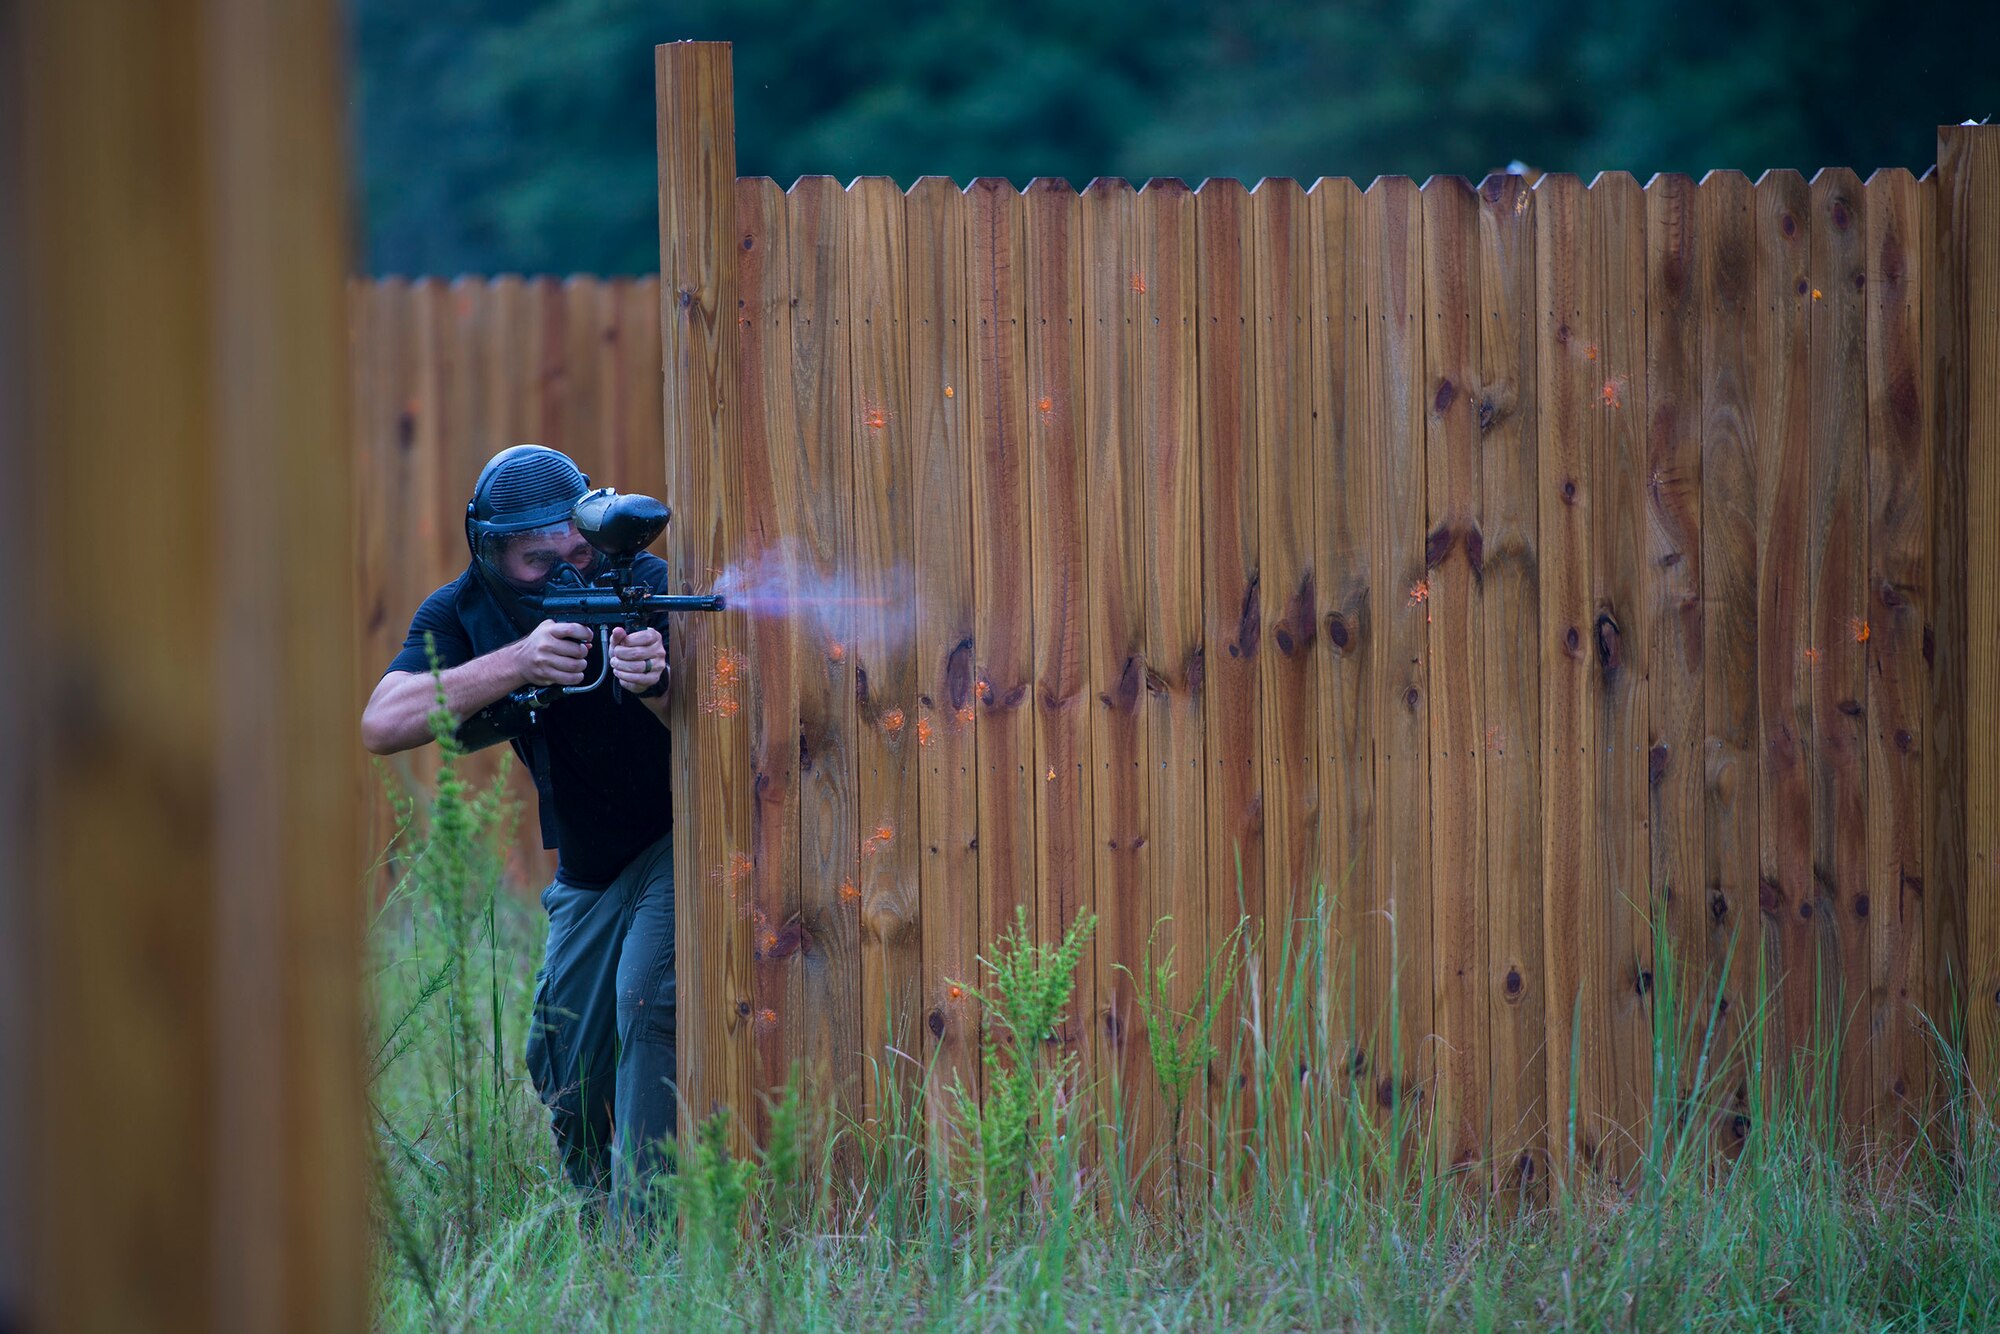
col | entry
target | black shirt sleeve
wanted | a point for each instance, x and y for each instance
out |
(438, 618)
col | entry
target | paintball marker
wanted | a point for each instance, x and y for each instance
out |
(619, 527)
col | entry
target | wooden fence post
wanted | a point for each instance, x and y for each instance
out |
(712, 704)
(181, 693)
(1965, 840)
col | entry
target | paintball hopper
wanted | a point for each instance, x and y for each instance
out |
(619, 526)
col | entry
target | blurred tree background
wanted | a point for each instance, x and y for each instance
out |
(517, 135)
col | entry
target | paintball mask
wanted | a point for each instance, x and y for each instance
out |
(521, 490)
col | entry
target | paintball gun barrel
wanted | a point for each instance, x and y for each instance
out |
(619, 527)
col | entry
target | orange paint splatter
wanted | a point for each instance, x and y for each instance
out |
(1611, 394)
(984, 690)
(1590, 353)
(955, 992)
(963, 713)
(1860, 630)
(723, 679)
(1138, 282)
(892, 720)
(878, 840)
(836, 651)
(1050, 776)
(875, 419)
(1420, 592)
(947, 391)
(926, 734)
(1045, 405)
(766, 1020)
(735, 870)
(1817, 294)
(770, 941)
(848, 893)
(1812, 655)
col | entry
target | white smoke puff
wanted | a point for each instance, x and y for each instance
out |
(876, 607)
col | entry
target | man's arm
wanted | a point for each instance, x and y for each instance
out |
(398, 713)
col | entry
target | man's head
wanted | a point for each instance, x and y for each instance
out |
(518, 522)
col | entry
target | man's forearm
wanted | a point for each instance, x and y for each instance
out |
(398, 716)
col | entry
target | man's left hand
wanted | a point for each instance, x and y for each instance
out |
(638, 658)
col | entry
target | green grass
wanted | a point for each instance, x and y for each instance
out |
(1313, 1210)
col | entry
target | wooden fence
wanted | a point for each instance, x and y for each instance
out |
(1545, 573)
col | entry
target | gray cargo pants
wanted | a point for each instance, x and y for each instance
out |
(601, 1045)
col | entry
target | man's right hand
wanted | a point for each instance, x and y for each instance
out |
(554, 654)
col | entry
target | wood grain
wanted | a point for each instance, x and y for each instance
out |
(1898, 592)
(693, 85)
(1673, 612)
(1398, 979)
(773, 497)
(1784, 223)
(1348, 469)
(885, 667)
(1621, 590)
(817, 223)
(1454, 557)
(942, 748)
(1968, 226)
(1729, 461)
(1232, 613)
(1511, 640)
(1065, 773)
(1113, 285)
(1574, 927)
(999, 692)
(1837, 551)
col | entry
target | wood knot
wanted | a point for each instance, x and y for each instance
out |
(1475, 552)
(1904, 740)
(1610, 644)
(1569, 490)
(1337, 631)
(1385, 1092)
(1788, 224)
(1438, 546)
(1851, 707)
(1840, 214)
(1718, 906)
(1739, 1126)
(1642, 981)
(936, 1022)
(1656, 763)
(1805, 909)
(1572, 642)
(1410, 698)
(743, 1009)
(1860, 905)
(1447, 393)
(1770, 896)
(1513, 984)
(749, 243)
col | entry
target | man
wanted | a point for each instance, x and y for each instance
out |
(601, 1047)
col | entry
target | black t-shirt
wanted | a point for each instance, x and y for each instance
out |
(608, 761)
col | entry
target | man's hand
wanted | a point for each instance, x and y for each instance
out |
(638, 659)
(554, 654)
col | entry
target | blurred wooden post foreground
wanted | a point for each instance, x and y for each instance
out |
(182, 884)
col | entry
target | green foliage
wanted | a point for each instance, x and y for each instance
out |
(1181, 1042)
(1321, 1209)
(1032, 983)
(501, 135)
(448, 1149)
